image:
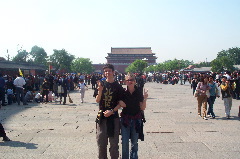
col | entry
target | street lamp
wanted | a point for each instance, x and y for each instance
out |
(49, 66)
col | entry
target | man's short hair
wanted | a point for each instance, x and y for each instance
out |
(224, 77)
(110, 66)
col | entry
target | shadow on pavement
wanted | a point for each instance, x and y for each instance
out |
(19, 144)
(231, 118)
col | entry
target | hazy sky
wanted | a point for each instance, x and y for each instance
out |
(184, 29)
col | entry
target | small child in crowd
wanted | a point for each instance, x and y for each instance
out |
(82, 87)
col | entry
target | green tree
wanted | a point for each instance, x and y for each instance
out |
(203, 64)
(61, 60)
(151, 68)
(21, 56)
(38, 55)
(232, 53)
(222, 63)
(160, 67)
(82, 65)
(171, 65)
(137, 66)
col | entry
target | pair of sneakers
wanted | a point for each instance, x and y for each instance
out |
(213, 116)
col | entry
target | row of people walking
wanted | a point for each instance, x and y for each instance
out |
(207, 89)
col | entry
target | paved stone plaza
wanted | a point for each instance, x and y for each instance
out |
(173, 128)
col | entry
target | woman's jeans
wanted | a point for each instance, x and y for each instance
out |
(129, 132)
(211, 101)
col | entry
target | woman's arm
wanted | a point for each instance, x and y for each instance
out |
(143, 104)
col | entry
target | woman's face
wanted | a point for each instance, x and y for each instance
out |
(130, 82)
(205, 80)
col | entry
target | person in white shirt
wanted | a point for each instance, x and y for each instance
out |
(82, 87)
(19, 82)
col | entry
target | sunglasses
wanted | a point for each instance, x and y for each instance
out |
(130, 80)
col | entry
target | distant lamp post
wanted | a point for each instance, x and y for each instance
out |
(146, 60)
(49, 66)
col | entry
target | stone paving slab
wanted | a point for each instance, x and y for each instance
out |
(172, 130)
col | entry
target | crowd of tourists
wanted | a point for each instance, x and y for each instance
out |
(111, 96)
(206, 87)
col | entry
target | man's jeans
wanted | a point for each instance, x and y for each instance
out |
(211, 101)
(129, 132)
(19, 92)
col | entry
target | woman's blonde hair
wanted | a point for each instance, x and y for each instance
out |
(130, 76)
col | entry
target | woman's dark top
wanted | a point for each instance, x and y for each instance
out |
(132, 102)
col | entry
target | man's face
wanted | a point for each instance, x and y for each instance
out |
(224, 79)
(108, 72)
(210, 79)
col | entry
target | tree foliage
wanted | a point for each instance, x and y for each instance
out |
(172, 65)
(61, 59)
(222, 63)
(22, 56)
(82, 65)
(38, 55)
(137, 66)
(232, 53)
(203, 64)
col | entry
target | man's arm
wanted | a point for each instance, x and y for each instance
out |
(100, 88)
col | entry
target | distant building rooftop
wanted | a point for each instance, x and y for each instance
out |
(131, 50)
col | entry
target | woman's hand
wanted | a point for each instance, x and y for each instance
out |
(145, 94)
(122, 104)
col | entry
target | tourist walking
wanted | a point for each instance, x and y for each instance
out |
(214, 92)
(226, 96)
(202, 88)
(194, 84)
(82, 87)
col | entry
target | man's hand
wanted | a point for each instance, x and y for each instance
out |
(108, 113)
(100, 87)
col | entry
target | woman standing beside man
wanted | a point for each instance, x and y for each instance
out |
(131, 117)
